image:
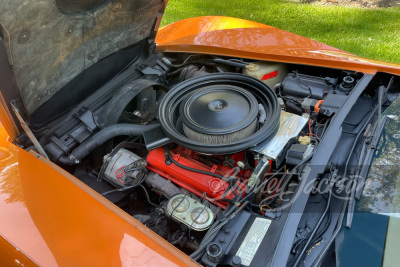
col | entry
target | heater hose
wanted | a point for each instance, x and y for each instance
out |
(99, 138)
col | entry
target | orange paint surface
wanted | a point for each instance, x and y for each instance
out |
(55, 219)
(241, 38)
(48, 217)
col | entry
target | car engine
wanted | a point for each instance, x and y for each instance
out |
(202, 150)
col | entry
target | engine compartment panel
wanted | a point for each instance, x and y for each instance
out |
(209, 152)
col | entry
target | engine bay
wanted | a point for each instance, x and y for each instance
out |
(207, 151)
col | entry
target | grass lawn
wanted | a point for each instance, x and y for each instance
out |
(371, 33)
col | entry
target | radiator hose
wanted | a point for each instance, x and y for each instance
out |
(101, 137)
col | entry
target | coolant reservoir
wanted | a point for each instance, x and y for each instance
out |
(270, 73)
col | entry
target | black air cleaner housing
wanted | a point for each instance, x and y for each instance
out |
(218, 113)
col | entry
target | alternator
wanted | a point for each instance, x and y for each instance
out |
(124, 168)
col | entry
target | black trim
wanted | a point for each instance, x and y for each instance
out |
(318, 164)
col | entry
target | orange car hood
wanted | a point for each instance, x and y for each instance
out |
(246, 39)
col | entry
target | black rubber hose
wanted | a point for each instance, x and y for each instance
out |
(230, 188)
(118, 103)
(230, 63)
(310, 238)
(101, 137)
(294, 108)
(168, 156)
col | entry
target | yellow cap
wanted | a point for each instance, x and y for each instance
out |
(304, 140)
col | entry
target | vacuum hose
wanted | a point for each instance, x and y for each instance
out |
(101, 137)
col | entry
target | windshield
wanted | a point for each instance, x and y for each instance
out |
(381, 194)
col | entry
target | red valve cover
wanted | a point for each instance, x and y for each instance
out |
(195, 182)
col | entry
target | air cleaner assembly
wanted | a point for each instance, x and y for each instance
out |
(218, 113)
